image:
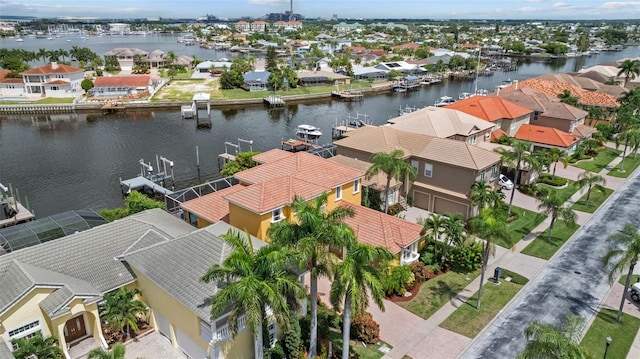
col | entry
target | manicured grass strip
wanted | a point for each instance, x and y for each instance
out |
(236, 94)
(371, 351)
(634, 279)
(434, 293)
(469, 321)
(566, 191)
(602, 159)
(630, 164)
(544, 249)
(595, 200)
(604, 326)
(523, 225)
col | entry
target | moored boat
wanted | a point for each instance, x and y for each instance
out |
(308, 133)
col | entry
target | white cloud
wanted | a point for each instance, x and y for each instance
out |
(528, 9)
(536, 0)
(619, 4)
(268, 2)
(560, 4)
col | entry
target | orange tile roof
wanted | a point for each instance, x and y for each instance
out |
(125, 80)
(272, 155)
(496, 134)
(545, 135)
(212, 207)
(4, 73)
(48, 69)
(57, 82)
(490, 108)
(378, 229)
(409, 45)
(554, 88)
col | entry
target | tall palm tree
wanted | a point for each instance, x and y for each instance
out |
(552, 204)
(116, 352)
(315, 232)
(630, 69)
(514, 158)
(496, 200)
(591, 180)
(251, 280)
(557, 155)
(453, 230)
(38, 346)
(357, 277)
(623, 258)
(546, 341)
(480, 192)
(627, 137)
(122, 309)
(394, 166)
(435, 223)
(170, 59)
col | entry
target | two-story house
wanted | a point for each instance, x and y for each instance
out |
(446, 168)
(259, 25)
(125, 56)
(53, 80)
(127, 86)
(504, 114)
(10, 87)
(242, 26)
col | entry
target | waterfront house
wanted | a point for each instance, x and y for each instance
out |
(321, 78)
(256, 81)
(9, 86)
(213, 67)
(544, 138)
(155, 59)
(125, 56)
(504, 114)
(242, 26)
(401, 66)
(446, 168)
(585, 97)
(369, 73)
(259, 25)
(53, 80)
(123, 86)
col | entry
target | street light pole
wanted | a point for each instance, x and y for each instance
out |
(608, 342)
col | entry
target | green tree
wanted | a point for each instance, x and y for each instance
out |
(170, 59)
(121, 309)
(546, 341)
(311, 237)
(591, 180)
(626, 257)
(515, 158)
(557, 155)
(134, 203)
(272, 59)
(243, 161)
(357, 277)
(596, 113)
(38, 347)
(116, 352)
(86, 85)
(630, 69)
(394, 166)
(231, 79)
(552, 204)
(567, 97)
(435, 223)
(292, 338)
(251, 280)
(275, 80)
(583, 42)
(518, 47)
(480, 192)
(454, 232)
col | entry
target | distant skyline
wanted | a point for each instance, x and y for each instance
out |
(414, 9)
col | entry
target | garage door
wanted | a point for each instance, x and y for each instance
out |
(189, 347)
(442, 205)
(163, 325)
(422, 200)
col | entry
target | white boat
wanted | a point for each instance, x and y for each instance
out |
(49, 38)
(444, 101)
(308, 133)
(19, 40)
(505, 84)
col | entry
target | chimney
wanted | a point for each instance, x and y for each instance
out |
(54, 65)
(515, 84)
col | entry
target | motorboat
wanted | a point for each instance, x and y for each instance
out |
(19, 40)
(308, 133)
(444, 101)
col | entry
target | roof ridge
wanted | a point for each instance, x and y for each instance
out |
(126, 251)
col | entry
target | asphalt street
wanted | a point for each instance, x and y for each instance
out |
(574, 280)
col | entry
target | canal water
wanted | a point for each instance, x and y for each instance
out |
(73, 161)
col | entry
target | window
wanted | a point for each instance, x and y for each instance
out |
(356, 186)
(415, 164)
(428, 170)
(272, 334)
(205, 331)
(410, 253)
(494, 171)
(482, 176)
(472, 139)
(277, 215)
(338, 193)
(487, 135)
(55, 88)
(536, 115)
(26, 331)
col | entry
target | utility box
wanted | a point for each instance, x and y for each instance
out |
(497, 273)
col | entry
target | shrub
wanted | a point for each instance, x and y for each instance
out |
(276, 352)
(394, 209)
(365, 329)
(292, 338)
(528, 190)
(606, 130)
(421, 272)
(549, 180)
(396, 280)
(465, 258)
(327, 319)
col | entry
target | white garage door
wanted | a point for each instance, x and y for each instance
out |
(189, 347)
(163, 325)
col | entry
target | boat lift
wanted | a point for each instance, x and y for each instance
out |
(148, 178)
(237, 148)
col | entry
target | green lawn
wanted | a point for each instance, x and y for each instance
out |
(371, 351)
(630, 164)
(434, 293)
(44, 101)
(602, 159)
(634, 279)
(604, 326)
(541, 248)
(566, 191)
(523, 225)
(469, 321)
(595, 200)
(237, 94)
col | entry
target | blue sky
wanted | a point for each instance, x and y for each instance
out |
(482, 9)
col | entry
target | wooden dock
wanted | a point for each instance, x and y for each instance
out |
(350, 95)
(23, 214)
(293, 145)
(112, 108)
(273, 101)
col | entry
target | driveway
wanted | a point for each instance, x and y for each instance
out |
(574, 280)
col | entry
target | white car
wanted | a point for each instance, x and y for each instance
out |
(635, 292)
(505, 182)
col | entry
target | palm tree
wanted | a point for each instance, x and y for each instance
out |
(116, 352)
(38, 347)
(122, 309)
(496, 200)
(480, 192)
(629, 136)
(251, 280)
(557, 155)
(590, 179)
(546, 341)
(170, 59)
(630, 69)
(435, 223)
(453, 230)
(355, 279)
(552, 204)
(623, 258)
(394, 166)
(596, 113)
(311, 237)
(515, 158)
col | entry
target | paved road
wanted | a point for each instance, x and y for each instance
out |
(574, 281)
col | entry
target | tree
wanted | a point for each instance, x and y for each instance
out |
(38, 347)
(518, 47)
(629, 136)
(546, 341)
(272, 60)
(453, 230)
(315, 232)
(630, 69)
(590, 180)
(583, 42)
(251, 280)
(435, 223)
(557, 155)
(394, 166)
(170, 59)
(275, 80)
(134, 203)
(623, 258)
(514, 159)
(116, 352)
(121, 309)
(86, 85)
(231, 79)
(480, 194)
(567, 97)
(596, 113)
(552, 204)
(243, 161)
(357, 277)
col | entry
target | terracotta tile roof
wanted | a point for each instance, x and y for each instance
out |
(545, 135)
(440, 122)
(379, 181)
(496, 134)
(585, 97)
(379, 229)
(378, 52)
(490, 108)
(12, 80)
(125, 80)
(272, 155)
(408, 45)
(212, 207)
(4, 73)
(49, 69)
(545, 104)
(57, 82)
(269, 195)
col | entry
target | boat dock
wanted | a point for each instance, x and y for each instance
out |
(293, 145)
(227, 156)
(350, 94)
(350, 123)
(112, 107)
(147, 180)
(273, 101)
(199, 101)
(11, 210)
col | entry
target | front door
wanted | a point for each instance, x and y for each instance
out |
(74, 329)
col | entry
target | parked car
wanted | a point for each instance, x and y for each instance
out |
(505, 182)
(635, 292)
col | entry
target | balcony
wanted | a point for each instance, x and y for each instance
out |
(409, 256)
